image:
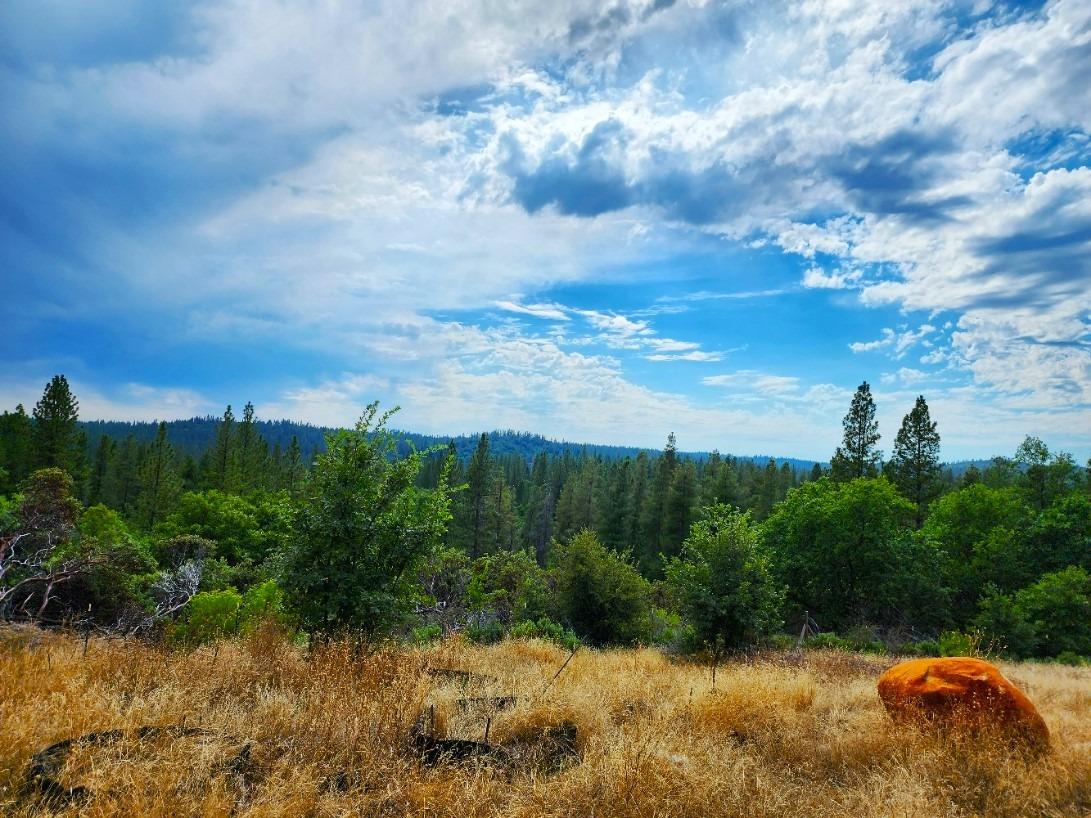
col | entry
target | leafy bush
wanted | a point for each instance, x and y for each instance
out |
(210, 615)
(426, 634)
(213, 615)
(723, 584)
(600, 593)
(508, 584)
(361, 534)
(546, 628)
(1004, 625)
(925, 647)
(1072, 659)
(832, 641)
(1058, 608)
(959, 643)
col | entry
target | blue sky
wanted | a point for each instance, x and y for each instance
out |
(601, 221)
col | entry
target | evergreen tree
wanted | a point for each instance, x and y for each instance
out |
(16, 449)
(122, 484)
(678, 510)
(816, 471)
(914, 466)
(160, 484)
(538, 519)
(615, 509)
(294, 469)
(224, 461)
(767, 490)
(252, 452)
(652, 527)
(474, 506)
(857, 455)
(99, 470)
(56, 431)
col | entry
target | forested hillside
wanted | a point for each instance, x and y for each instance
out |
(194, 537)
(194, 435)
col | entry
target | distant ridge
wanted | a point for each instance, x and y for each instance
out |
(194, 435)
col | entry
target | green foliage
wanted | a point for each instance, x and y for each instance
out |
(599, 593)
(426, 634)
(914, 465)
(960, 643)
(980, 534)
(852, 643)
(56, 435)
(1005, 625)
(48, 511)
(17, 454)
(857, 456)
(509, 585)
(723, 583)
(242, 527)
(846, 553)
(545, 628)
(212, 615)
(361, 533)
(1058, 607)
(102, 524)
(160, 484)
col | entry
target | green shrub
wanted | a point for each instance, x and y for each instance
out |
(959, 643)
(1073, 659)
(723, 584)
(546, 628)
(210, 615)
(426, 634)
(1058, 607)
(600, 593)
(849, 644)
(925, 647)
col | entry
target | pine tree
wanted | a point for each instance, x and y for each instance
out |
(224, 462)
(474, 505)
(56, 431)
(16, 449)
(816, 471)
(857, 455)
(99, 470)
(678, 510)
(295, 471)
(252, 452)
(615, 510)
(914, 465)
(160, 484)
(651, 541)
(538, 520)
(122, 484)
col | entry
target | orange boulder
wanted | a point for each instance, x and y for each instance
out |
(960, 691)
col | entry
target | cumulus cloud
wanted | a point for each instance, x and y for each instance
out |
(332, 178)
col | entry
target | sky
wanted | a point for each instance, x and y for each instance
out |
(598, 221)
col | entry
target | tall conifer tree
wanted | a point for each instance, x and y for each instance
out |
(914, 465)
(160, 484)
(56, 431)
(857, 455)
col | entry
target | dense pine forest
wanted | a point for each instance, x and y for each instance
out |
(195, 529)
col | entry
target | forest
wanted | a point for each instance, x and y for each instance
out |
(373, 536)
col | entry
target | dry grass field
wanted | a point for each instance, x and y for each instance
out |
(260, 728)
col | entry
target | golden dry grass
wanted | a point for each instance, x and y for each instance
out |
(328, 734)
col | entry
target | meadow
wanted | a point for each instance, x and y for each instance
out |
(259, 726)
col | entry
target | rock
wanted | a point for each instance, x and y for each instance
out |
(960, 692)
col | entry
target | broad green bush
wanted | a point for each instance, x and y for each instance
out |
(600, 593)
(546, 628)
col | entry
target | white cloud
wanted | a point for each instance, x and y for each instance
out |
(553, 312)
